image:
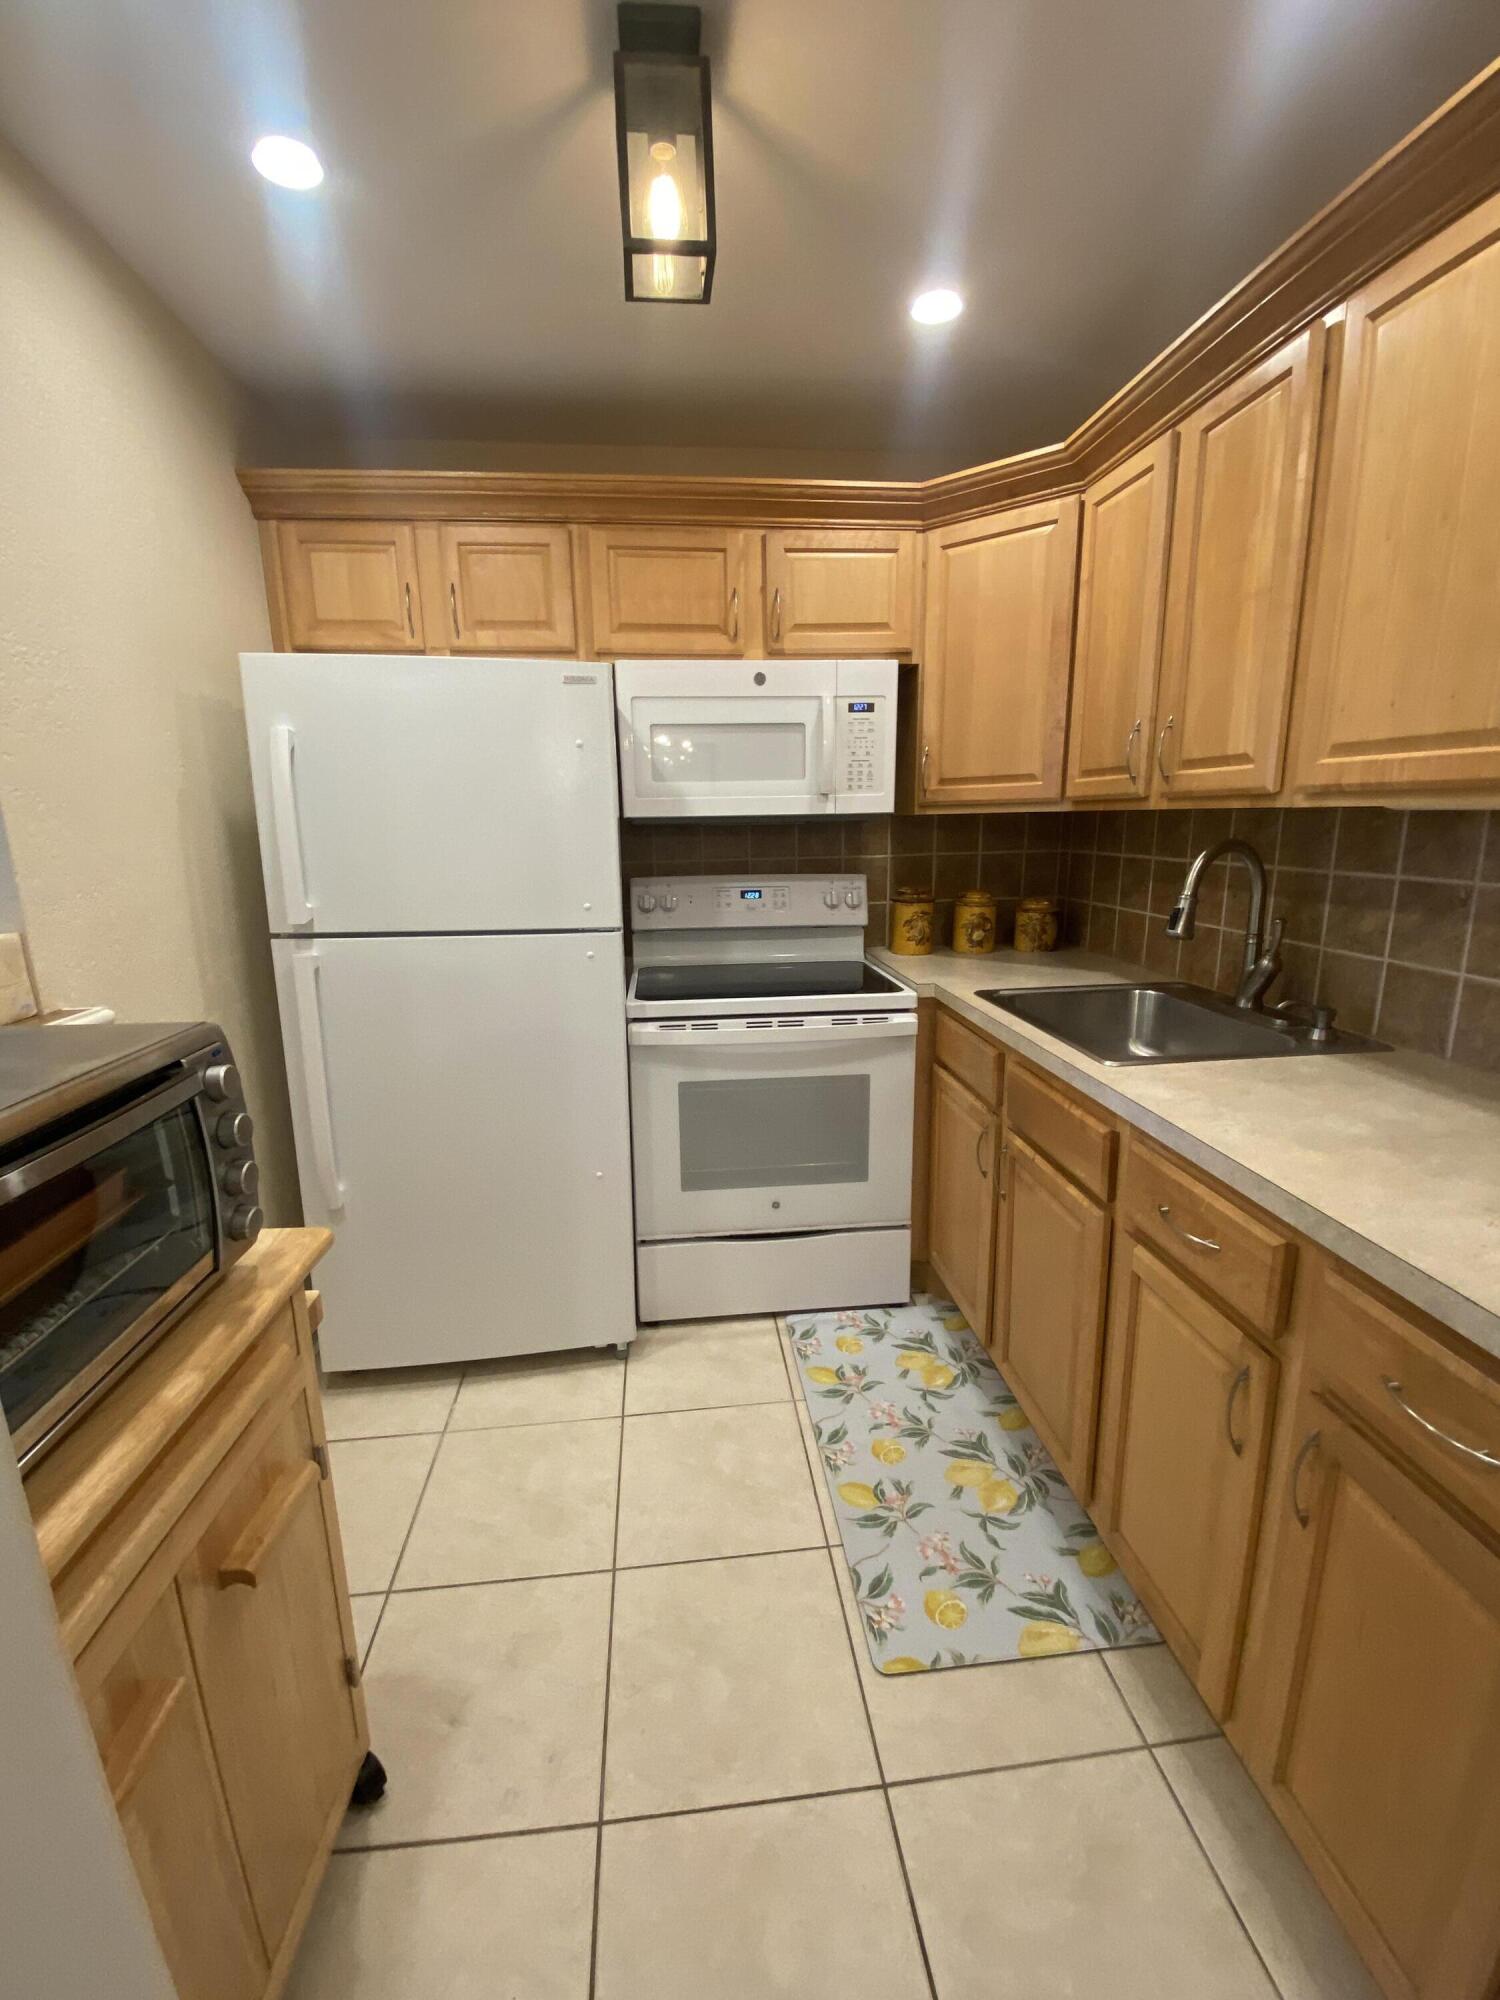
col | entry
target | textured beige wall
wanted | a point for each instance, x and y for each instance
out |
(129, 581)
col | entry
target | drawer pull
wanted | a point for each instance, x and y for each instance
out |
(1241, 1381)
(1198, 1242)
(266, 1526)
(1398, 1396)
(1309, 1445)
(127, 1757)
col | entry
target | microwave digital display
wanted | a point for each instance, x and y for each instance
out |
(861, 708)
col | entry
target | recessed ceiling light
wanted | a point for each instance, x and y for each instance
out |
(287, 162)
(933, 308)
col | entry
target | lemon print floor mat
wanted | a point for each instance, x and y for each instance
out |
(964, 1543)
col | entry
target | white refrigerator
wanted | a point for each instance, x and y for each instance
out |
(441, 855)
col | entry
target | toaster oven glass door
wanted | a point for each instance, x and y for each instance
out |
(101, 1239)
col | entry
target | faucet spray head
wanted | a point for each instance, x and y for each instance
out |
(1183, 922)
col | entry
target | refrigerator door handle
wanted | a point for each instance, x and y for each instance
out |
(305, 981)
(284, 827)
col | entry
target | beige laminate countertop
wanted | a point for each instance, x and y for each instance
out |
(1390, 1161)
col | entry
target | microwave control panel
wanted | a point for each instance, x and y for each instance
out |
(860, 743)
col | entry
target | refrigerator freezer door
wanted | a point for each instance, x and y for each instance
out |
(400, 794)
(462, 1124)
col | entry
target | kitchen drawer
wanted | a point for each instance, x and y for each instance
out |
(970, 1057)
(1073, 1137)
(1437, 1409)
(1228, 1250)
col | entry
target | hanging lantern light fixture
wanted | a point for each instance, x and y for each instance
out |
(664, 138)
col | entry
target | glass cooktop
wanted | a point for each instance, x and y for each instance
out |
(761, 982)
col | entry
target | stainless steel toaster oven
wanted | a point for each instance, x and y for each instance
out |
(127, 1187)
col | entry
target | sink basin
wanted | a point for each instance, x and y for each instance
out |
(1164, 1023)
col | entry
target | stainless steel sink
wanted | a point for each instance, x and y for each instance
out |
(1165, 1023)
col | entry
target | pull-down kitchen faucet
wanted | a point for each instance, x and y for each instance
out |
(1262, 953)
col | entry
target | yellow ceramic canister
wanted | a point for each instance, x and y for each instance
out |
(911, 923)
(1036, 924)
(974, 922)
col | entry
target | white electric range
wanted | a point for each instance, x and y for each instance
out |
(772, 1069)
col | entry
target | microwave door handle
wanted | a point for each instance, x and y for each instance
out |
(284, 827)
(827, 749)
(305, 981)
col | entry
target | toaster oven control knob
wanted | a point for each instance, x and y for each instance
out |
(852, 898)
(241, 1177)
(245, 1222)
(235, 1128)
(221, 1080)
(646, 902)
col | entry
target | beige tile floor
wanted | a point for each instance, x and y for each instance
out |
(637, 1750)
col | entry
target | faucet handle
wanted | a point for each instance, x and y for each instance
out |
(1317, 1020)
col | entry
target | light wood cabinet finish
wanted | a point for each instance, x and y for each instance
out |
(1383, 1669)
(671, 591)
(1185, 1434)
(1244, 1262)
(841, 591)
(973, 1059)
(1065, 1131)
(1049, 1320)
(262, 1605)
(148, 1722)
(1400, 685)
(961, 1194)
(994, 683)
(1122, 577)
(1234, 593)
(350, 586)
(508, 588)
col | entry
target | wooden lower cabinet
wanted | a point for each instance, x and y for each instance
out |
(1382, 1675)
(961, 1197)
(153, 1739)
(261, 1600)
(1185, 1434)
(1052, 1268)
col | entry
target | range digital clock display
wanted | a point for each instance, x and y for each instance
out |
(751, 895)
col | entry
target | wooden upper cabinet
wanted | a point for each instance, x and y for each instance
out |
(841, 590)
(994, 682)
(1234, 589)
(508, 588)
(673, 591)
(1401, 685)
(1121, 594)
(350, 586)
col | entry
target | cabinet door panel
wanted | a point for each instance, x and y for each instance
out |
(1239, 547)
(841, 590)
(995, 665)
(961, 1198)
(148, 1722)
(509, 586)
(1182, 1462)
(1385, 1664)
(669, 590)
(351, 586)
(1401, 683)
(262, 1605)
(1049, 1325)
(1122, 576)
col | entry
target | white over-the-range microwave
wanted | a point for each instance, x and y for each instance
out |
(754, 737)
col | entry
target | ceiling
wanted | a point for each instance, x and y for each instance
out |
(1091, 174)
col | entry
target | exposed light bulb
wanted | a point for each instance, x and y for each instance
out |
(663, 215)
(289, 163)
(934, 308)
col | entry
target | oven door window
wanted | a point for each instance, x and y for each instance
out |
(95, 1257)
(776, 1131)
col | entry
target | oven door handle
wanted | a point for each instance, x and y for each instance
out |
(49, 1161)
(305, 981)
(727, 1037)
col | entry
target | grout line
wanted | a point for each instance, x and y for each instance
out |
(601, 1569)
(469, 1839)
(1463, 957)
(554, 1423)
(1135, 1721)
(1023, 1764)
(609, 1655)
(739, 1805)
(1239, 1916)
(1390, 928)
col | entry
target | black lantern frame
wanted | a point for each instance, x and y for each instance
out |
(659, 61)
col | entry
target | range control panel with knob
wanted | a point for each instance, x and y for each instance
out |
(746, 902)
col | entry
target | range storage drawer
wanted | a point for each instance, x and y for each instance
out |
(1229, 1251)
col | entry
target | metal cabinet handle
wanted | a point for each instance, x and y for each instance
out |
(1309, 1445)
(1000, 1176)
(1198, 1242)
(1130, 742)
(924, 768)
(734, 612)
(776, 612)
(453, 607)
(411, 630)
(1241, 1381)
(979, 1138)
(1398, 1396)
(1166, 775)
